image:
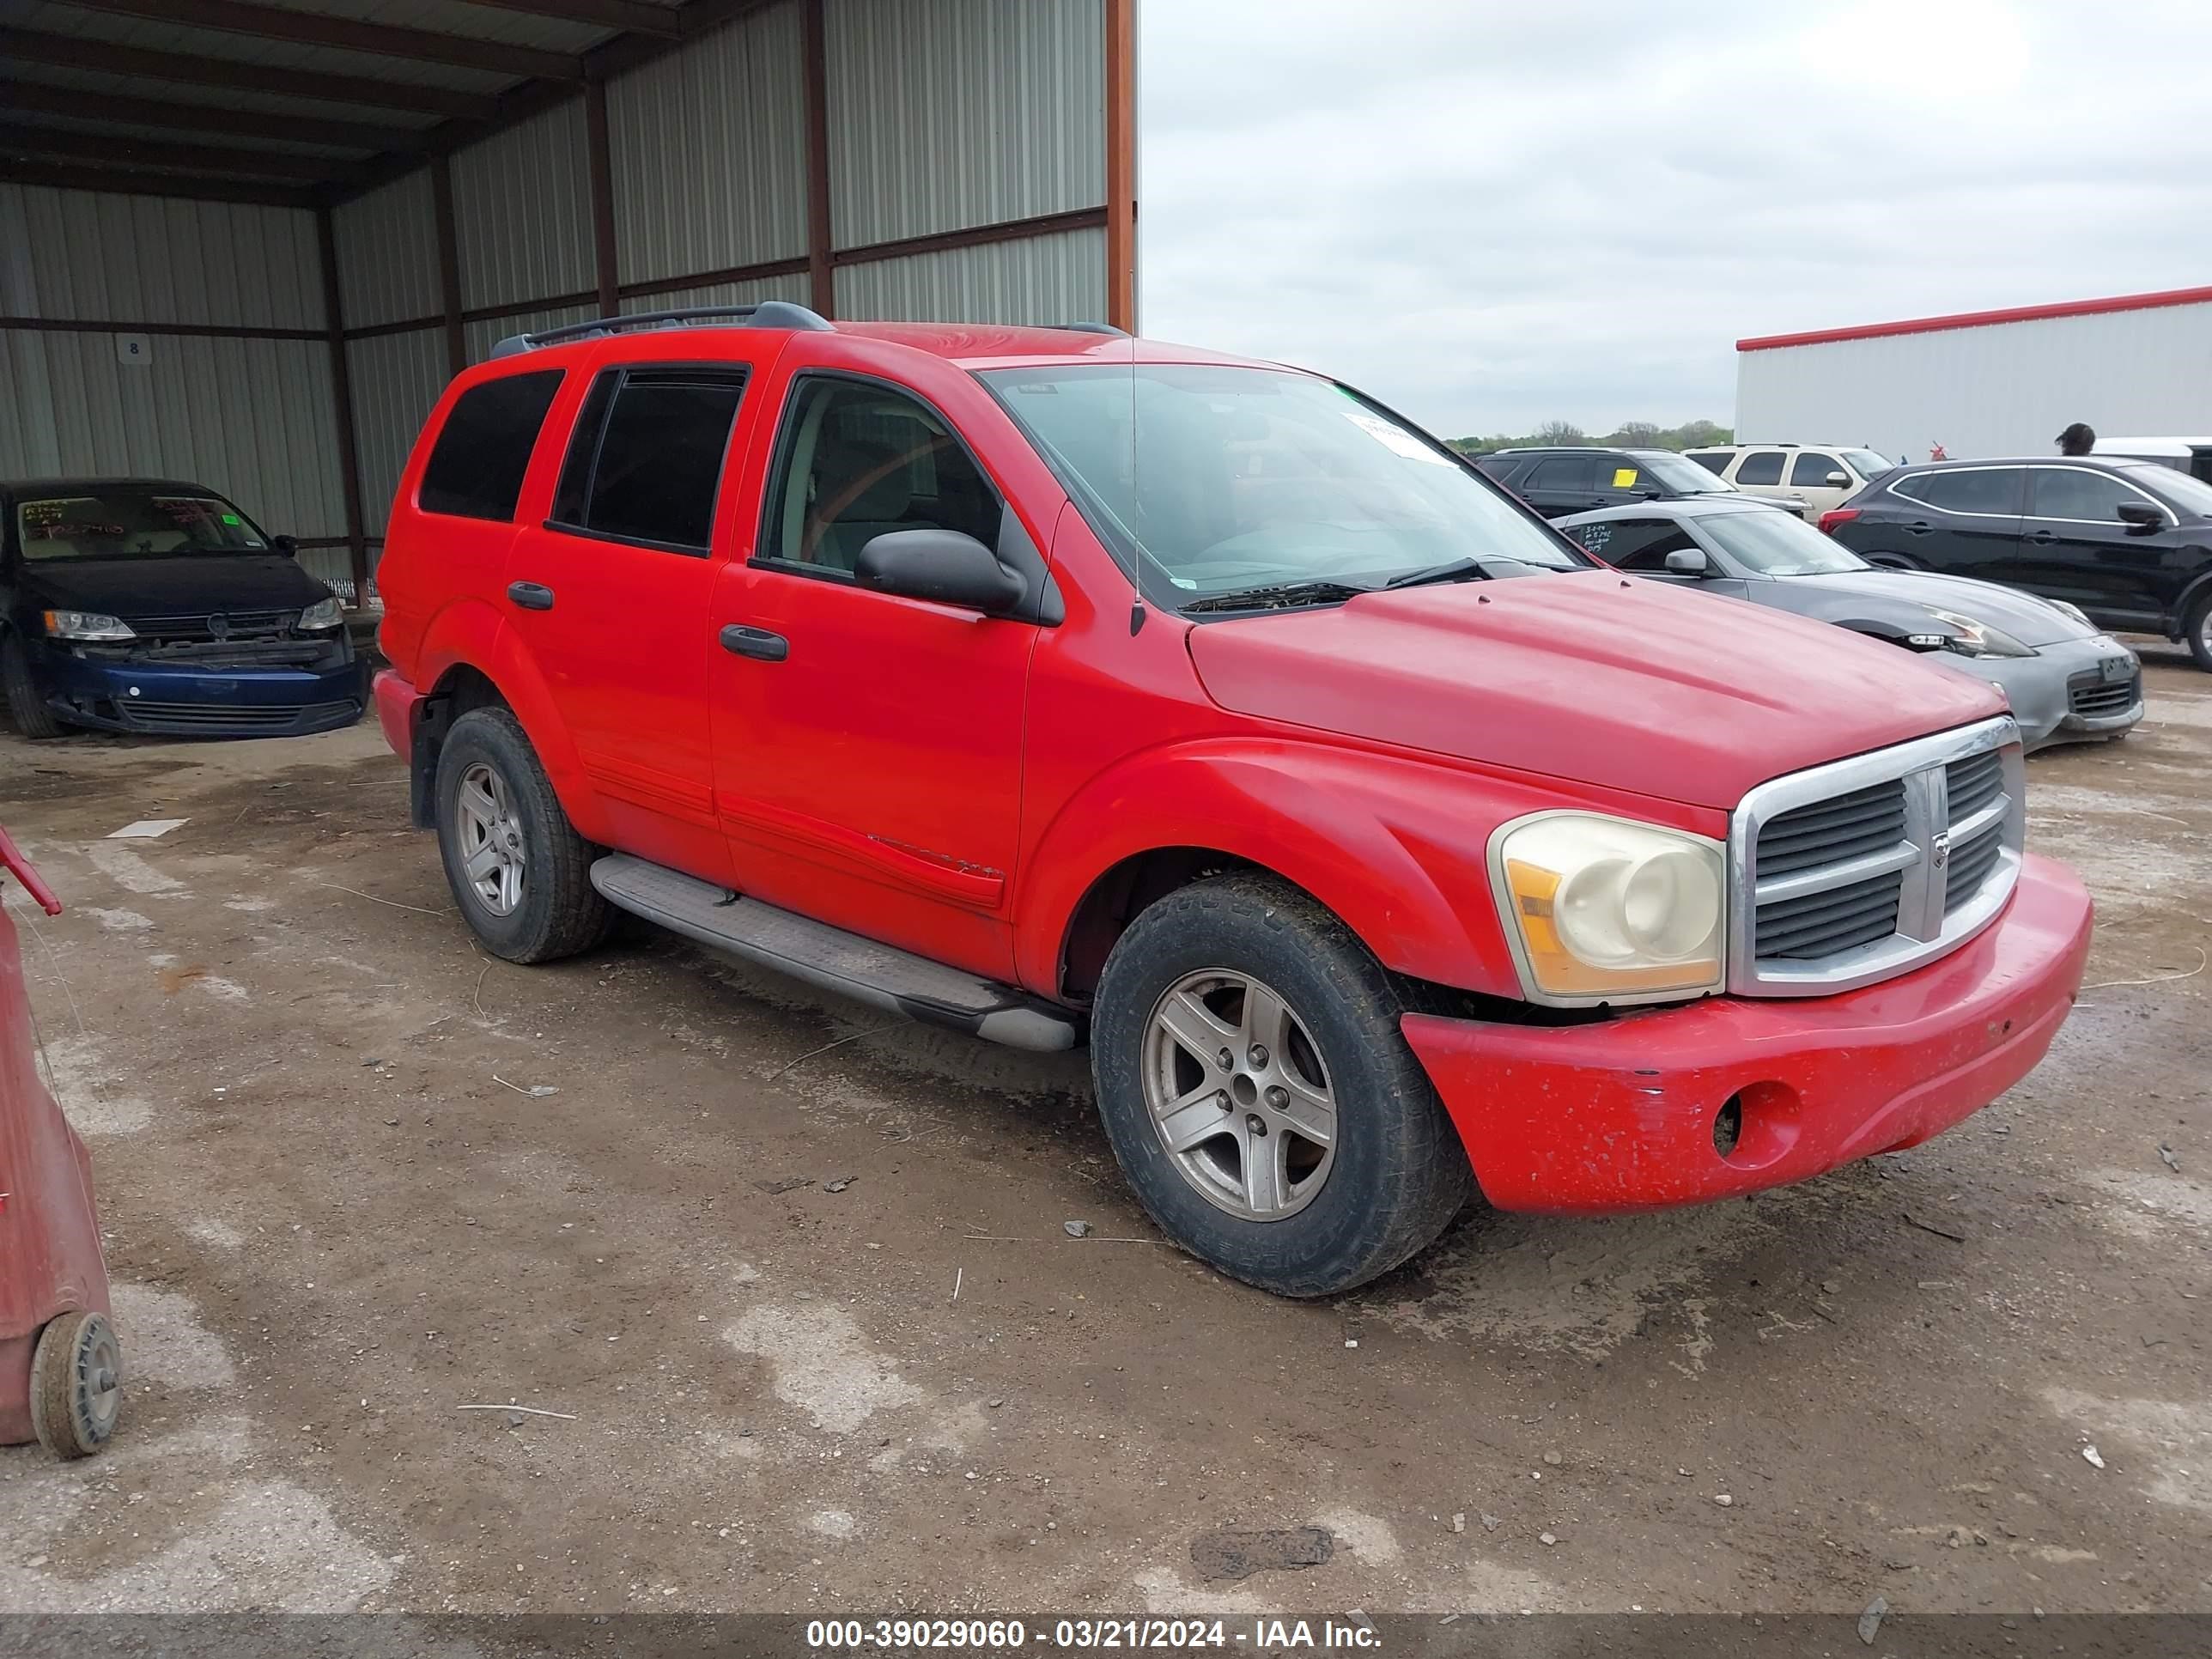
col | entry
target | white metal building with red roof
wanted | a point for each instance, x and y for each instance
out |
(1985, 382)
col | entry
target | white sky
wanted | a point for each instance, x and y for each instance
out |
(1490, 214)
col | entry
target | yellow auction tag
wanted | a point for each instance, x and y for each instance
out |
(1624, 477)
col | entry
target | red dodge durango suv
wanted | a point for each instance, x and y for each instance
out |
(1058, 686)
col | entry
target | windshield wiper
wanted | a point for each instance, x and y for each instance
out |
(1277, 597)
(1449, 571)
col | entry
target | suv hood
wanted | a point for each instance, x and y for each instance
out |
(2023, 615)
(173, 586)
(1592, 675)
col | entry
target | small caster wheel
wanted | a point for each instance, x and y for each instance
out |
(76, 1384)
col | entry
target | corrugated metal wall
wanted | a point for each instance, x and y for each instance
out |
(252, 418)
(484, 335)
(387, 243)
(153, 260)
(522, 211)
(793, 288)
(962, 112)
(708, 152)
(2001, 389)
(397, 378)
(1041, 279)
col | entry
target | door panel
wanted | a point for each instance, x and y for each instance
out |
(2074, 546)
(1964, 522)
(609, 595)
(868, 748)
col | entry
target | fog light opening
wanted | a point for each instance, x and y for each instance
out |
(1728, 1124)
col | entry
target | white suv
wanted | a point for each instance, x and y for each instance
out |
(1819, 477)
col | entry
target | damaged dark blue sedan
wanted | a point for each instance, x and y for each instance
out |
(144, 605)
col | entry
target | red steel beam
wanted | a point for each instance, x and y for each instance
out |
(821, 263)
(1121, 164)
(449, 264)
(37, 98)
(69, 52)
(599, 157)
(342, 396)
(56, 175)
(320, 29)
(102, 149)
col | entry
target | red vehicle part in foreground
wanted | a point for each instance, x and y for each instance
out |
(51, 1266)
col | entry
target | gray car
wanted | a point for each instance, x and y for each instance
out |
(2065, 680)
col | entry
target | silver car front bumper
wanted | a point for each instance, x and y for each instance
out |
(2062, 694)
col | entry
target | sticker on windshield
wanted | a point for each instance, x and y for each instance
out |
(1394, 439)
(232, 518)
(1624, 477)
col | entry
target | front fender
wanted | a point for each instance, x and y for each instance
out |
(1395, 845)
(470, 633)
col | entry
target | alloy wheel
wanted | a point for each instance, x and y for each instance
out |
(1239, 1095)
(490, 837)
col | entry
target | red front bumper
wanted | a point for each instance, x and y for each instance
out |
(1619, 1116)
(398, 705)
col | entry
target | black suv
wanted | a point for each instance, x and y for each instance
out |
(1557, 481)
(2129, 543)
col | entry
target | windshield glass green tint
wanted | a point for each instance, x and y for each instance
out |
(1227, 478)
(132, 524)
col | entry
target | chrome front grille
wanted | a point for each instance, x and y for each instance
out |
(1855, 871)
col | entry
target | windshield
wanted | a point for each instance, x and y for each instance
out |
(1867, 462)
(1778, 544)
(1226, 479)
(2182, 490)
(123, 523)
(1681, 475)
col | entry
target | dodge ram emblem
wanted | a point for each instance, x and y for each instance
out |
(1939, 854)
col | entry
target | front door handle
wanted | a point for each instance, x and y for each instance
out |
(755, 643)
(2042, 536)
(531, 596)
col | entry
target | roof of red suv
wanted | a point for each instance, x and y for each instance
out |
(969, 345)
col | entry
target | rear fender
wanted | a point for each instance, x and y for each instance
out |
(470, 633)
(1395, 846)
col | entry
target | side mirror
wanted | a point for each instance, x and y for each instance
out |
(1838, 481)
(288, 545)
(1689, 561)
(2141, 517)
(946, 566)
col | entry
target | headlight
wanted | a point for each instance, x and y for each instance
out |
(1977, 638)
(1602, 909)
(323, 613)
(87, 625)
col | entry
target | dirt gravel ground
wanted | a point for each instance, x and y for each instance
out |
(796, 1286)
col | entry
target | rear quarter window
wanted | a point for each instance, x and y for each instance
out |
(475, 470)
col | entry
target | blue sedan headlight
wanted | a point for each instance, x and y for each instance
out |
(324, 613)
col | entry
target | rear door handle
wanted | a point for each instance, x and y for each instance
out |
(1920, 528)
(2041, 535)
(755, 643)
(531, 596)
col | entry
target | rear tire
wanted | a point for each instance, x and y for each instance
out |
(2199, 632)
(1393, 1173)
(508, 821)
(25, 706)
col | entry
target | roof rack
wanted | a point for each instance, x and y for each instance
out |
(768, 314)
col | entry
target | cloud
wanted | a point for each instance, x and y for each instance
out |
(1490, 216)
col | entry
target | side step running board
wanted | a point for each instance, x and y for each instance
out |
(832, 958)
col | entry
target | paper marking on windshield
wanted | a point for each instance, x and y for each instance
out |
(1394, 440)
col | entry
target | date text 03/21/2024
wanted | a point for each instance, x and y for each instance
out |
(999, 1635)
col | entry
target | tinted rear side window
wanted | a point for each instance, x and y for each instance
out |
(476, 470)
(1564, 472)
(646, 457)
(1760, 467)
(1979, 489)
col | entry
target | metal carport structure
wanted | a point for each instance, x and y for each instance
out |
(248, 240)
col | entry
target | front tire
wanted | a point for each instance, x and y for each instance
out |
(25, 706)
(1260, 1096)
(518, 871)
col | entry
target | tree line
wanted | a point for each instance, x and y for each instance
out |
(1629, 435)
